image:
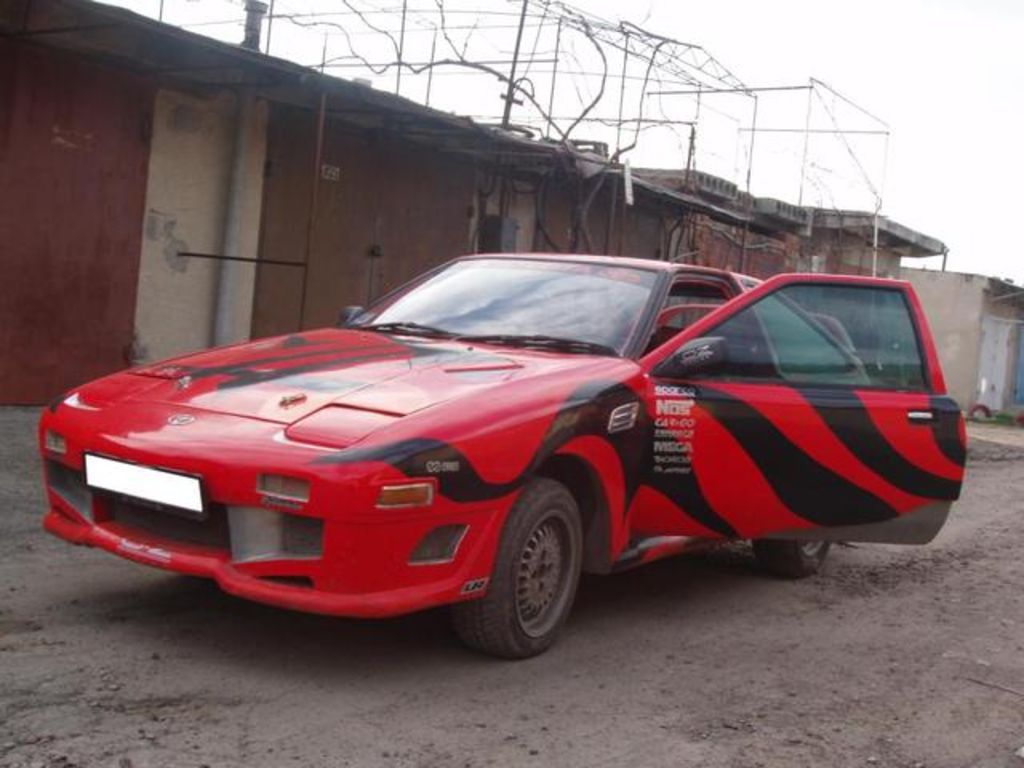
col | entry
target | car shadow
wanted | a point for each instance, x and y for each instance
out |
(183, 616)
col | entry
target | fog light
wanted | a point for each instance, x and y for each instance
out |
(406, 495)
(438, 546)
(55, 443)
(281, 487)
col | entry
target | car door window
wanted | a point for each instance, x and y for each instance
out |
(822, 334)
(875, 323)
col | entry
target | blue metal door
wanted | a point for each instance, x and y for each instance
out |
(1018, 390)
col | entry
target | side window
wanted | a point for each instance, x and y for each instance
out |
(817, 333)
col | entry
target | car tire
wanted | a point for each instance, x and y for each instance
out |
(533, 584)
(791, 559)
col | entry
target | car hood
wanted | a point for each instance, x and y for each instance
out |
(285, 379)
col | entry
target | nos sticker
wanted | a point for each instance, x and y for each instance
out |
(674, 428)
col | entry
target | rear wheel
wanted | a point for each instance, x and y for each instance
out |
(535, 577)
(791, 559)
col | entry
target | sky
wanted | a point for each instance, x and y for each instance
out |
(946, 76)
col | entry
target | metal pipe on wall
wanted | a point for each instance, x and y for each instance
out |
(229, 272)
(314, 196)
(254, 13)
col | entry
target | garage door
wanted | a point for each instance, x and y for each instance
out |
(73, 156)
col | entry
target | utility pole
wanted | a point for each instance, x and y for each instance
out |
(753, 135)
(750, 168)
(878, 210)
(430, 72)
(401, 48)
(691, 155)
(622, 95)
(554, 76)
(807, 142)
(515, 62)
(270, 25)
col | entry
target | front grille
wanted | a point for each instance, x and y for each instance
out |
(211, 532)
(265, 534)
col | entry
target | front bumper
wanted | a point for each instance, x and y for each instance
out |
(336, 555)
(260, 584)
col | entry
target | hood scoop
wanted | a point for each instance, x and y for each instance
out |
(484, 367)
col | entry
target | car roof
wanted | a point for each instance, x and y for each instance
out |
(616, 261)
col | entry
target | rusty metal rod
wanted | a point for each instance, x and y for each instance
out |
(222, 257)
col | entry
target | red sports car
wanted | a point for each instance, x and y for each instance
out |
(482, 435)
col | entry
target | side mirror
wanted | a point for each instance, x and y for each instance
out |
(699, 356)
(348, 315)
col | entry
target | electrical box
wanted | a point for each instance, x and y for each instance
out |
(498, 234)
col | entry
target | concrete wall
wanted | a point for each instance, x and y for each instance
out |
(978, 339)
(190, 164)
(954, 304)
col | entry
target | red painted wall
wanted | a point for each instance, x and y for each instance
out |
(73, 158)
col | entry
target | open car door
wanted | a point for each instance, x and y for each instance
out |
(812, 407)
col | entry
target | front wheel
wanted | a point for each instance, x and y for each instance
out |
(791, 559)
(535, 576)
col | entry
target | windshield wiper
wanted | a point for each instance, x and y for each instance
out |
(543, 342)
(409, 329)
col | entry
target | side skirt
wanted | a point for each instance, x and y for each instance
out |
(655, 548)
(918, 527)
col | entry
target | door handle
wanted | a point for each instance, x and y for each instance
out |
(921, 417)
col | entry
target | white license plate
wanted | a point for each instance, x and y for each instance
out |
(156, 485)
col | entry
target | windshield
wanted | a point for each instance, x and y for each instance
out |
(590, 303)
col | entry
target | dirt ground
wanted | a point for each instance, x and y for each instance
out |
(891, 657)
